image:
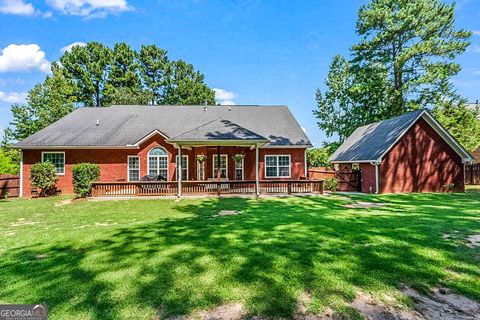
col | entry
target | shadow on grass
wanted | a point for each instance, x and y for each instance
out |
(265, 256)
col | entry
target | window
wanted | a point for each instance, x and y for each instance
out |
(239, 169)
(200, 169)
(184, 168)
(277, 166)
(223, 166)
(133, 168)
(158, 162)
(57, 159)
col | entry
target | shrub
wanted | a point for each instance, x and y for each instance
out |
(83, 176)
(43, 176)
(330, 184)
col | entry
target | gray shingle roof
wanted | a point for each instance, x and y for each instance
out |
(370, 142)
(126, 125)
(218, 129)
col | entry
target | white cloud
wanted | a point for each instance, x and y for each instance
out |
(13, 97)
(476, 32)
(23, 57)
(91, 8)
(16, 7)
(71, 45)
(224, 97)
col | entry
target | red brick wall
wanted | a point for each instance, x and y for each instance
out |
(421, 162)
(113, 163)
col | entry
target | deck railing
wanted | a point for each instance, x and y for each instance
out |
(170, 188)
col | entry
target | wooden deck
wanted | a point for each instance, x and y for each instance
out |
(196, 188)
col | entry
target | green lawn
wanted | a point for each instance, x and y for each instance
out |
(130, 259)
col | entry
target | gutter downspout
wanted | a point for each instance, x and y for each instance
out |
(377, 179)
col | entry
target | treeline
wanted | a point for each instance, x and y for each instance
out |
(98, 76)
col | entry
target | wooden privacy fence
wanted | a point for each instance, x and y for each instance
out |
(347, 180)
(320, 173)
(170, 188)
(9, 185)
(472, 173)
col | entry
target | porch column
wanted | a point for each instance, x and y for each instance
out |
(219, 171)
(179, 171)
(257, 184)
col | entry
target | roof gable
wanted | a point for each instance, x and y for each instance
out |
(124, 126)
(218, 129)
(372, 142)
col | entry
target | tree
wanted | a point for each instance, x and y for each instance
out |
(127, 96)
(154, 69)
(124, 70)
(46, 103)
(7, 164)
(460, 122)
(335, 107)
(186, 86)
(88, 67)
(416, 42)
(318, 157)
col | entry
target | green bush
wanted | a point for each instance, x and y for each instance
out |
(330, 184)
(43, 176)
(83, 176)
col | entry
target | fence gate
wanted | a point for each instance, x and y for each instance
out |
(349, 180)
(472, 173)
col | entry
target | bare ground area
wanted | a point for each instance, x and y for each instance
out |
(440, 304)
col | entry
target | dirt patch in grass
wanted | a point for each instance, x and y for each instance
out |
(69, 201)
(473, 241)
(442, 304)
(223, 213)
(22, 222)
(364, 204)
(41, 256)
(233, 311)
(373, 309)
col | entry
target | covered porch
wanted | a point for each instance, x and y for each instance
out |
(224, 158)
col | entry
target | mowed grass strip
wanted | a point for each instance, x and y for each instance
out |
(135, 259)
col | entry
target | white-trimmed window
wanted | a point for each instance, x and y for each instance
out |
(158, 162)
(277, 166)
(133, 168)
(57, 159)
(239, 169)
(223, 166)
(200, 170)
(184, 168)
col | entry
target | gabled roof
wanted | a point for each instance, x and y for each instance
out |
(371, 143)
(126, 126)
(216, 130)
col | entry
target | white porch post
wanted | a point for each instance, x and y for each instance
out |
(21, 173)
(376, 178)
(179, 171)
(257, 184)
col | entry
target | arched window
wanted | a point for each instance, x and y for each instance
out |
(158, 162)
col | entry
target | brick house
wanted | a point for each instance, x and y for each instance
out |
(130, 142)
(408, 153)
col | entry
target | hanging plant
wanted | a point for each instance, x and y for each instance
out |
(239, 157)
(201, 158)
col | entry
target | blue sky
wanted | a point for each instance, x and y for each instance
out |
(256, 52)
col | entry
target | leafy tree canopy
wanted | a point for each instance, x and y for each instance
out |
(403, 61)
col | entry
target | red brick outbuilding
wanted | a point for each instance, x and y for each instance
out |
(408, 153)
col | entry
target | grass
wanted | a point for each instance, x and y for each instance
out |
(130, 259)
